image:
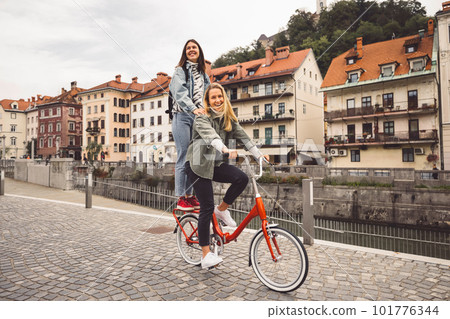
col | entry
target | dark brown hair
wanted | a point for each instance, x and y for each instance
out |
(201, 57)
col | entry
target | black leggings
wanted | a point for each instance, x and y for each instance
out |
(225, 173)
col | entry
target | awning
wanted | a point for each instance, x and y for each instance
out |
(282, 150)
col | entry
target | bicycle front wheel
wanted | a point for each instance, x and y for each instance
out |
(191, 252)
(290, 269)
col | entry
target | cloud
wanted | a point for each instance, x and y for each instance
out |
(49, 43)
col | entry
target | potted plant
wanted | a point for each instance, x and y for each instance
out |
(432, 157)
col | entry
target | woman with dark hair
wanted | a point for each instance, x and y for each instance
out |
(187, 86)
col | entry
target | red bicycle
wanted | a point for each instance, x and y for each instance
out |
(277, 256)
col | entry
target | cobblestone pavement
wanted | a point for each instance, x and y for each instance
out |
(59, 251)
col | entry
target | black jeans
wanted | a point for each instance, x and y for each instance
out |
(225, 173)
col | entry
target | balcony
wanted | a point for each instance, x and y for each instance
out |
(93, 131)
(266, 118)
(244, 97)
(377, 111)
(280, 140)
(405, 137)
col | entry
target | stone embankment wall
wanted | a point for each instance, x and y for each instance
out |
(376, 204)
(58, 173)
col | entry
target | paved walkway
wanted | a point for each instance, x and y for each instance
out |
(52, 248)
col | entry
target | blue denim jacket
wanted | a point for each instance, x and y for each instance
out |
(183, 91)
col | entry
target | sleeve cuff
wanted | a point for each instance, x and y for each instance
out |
(255, 152)
(218, 144)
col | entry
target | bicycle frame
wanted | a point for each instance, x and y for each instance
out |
(257, 210)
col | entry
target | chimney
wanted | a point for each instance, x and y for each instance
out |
(238, 71)
(134, 80)
(421, 33)
(63, 91)
(73, 85)
(28, 100)
(38, 96)
(269, 56)
(160, 77)
(359, 47)
(282, 52)
(33, 99)
(446, 6)
(118, 76)
(430, 27)
(208, 67)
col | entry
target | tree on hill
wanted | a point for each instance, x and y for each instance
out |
(381, 22)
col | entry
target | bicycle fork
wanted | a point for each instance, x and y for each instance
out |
(268, 235)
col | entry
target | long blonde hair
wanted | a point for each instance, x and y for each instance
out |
(228, 115)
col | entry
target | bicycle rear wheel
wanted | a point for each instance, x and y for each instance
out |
(291, 268)
(191, 252)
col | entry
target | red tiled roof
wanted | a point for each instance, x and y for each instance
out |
(22, 104)
(66, 97)
(388, 61)
(375, 54)
(417, 54)
(278, 67)
(119, 85)
(157, 86)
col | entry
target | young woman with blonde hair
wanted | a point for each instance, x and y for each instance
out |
(212, 132)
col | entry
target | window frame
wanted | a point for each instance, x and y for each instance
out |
(408, 155)
(355, 156)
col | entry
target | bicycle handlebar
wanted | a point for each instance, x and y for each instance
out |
(247, 162)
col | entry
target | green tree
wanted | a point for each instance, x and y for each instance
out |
(370, 32)
(392, 28)
(93, 149)
(28, 147)
(281, 39)
(414, 24)
(338, 27)
(301, 25)
(319, 48)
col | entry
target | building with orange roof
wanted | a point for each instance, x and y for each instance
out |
(106, 116)
(13, 128)
(443, 31)
(382, 104)
(277, 102)
(151, 129)
(60, 124)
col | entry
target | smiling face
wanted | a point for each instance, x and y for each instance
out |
(192, 52)
(215, 99)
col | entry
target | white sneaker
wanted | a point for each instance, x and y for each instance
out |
(211, 260)
(225, 216)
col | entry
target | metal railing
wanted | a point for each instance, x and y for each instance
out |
(398, 136)
(8, 167)
(406, 239)
(426, 106)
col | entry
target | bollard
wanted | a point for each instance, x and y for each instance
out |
(308, 211)
(88, 188)
(2, 182)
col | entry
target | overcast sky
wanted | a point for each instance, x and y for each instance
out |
(46, 44)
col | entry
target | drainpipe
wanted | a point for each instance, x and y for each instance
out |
(441, 142)
(295, 118)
